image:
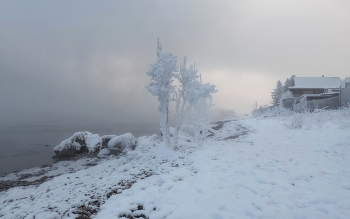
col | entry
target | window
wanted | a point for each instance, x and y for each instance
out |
(347, 84)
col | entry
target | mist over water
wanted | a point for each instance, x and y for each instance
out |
(28, 145)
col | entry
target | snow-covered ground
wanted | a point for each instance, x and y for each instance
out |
(261, 167)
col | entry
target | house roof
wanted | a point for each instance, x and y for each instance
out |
(316, 82)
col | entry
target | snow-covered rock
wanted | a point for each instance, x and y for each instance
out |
(78, 143)
(125, 142)
(93, 142)
(106, 139)
(104, 152)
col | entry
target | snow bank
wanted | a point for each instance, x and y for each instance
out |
(270, 172)
(146, 143)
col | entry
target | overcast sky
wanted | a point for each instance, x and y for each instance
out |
(88, 59)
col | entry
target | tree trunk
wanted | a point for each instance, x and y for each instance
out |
(164, 122)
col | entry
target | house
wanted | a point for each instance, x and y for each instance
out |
(314, 93)
(346, 83)
(314, 85)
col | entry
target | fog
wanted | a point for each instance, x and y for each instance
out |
(66, 61)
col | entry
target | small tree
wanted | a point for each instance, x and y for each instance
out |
(197, 122)
(191, 91)
(161, 73)
(276, 94)
(185, 77)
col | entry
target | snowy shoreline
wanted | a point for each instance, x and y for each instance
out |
(24, 146)
(271, 171)
(38, 175)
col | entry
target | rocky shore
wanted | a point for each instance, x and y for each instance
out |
(80, 151)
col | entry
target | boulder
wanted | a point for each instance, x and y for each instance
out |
(122, 143)
(93, 143)
(106, 139)
(78, 143)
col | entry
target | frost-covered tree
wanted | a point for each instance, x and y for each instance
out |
(276, 94)
(190, 95)
(162, 72)
(197, 122)
(190, 92)
(185, 77)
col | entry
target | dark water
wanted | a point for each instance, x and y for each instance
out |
(26, 146)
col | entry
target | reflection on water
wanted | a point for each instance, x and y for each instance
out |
(28, 146)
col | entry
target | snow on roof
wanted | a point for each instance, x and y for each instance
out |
(316, 82)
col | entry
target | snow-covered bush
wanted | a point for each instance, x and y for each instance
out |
(272, 112)
(319, 117)
(295, 121)
(122, 143)
(146, 143)
(345, 113)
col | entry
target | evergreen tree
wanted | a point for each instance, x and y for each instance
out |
(288, 83)
(276, 94)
